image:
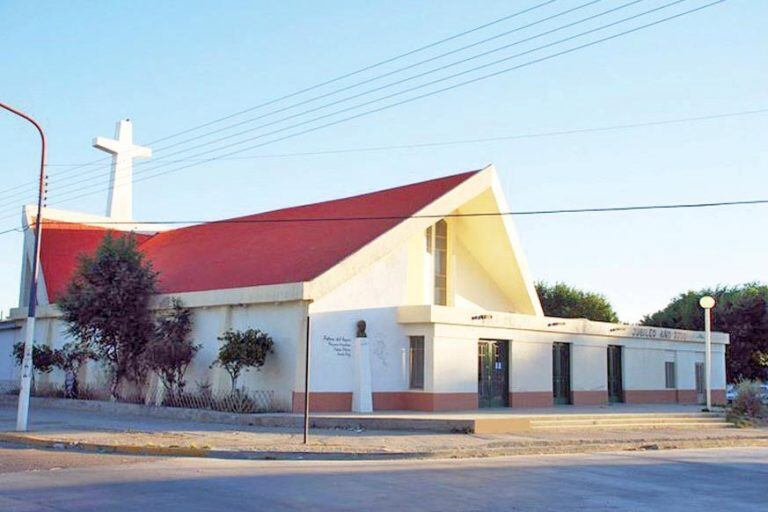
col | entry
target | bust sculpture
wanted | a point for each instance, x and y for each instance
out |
(361, 329)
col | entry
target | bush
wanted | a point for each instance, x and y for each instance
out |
(43, 358)
(748, 402)
(70, 358)
(242, 350)
(170, 351)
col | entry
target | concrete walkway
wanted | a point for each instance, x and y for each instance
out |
(61, 429)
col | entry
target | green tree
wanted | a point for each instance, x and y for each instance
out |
(170, 351)
(741, 311)
(106, 305)
(242, 350)
(564, 301)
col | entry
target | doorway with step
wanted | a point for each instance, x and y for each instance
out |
(561, 373)
(493, 373)
(615, 377)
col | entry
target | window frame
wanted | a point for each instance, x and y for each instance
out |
(670, 378)
(416, 362)
(440, 263)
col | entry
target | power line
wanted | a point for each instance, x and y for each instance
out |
(357, 84)
(561, 211)
(322, 84)
(361, 70)
(407, 100)
(534, 135)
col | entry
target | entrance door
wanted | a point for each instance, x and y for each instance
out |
(700, 386)
(615, 386)
(561, 372)
(493, 372)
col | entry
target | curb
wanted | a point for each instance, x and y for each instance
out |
(502, 451)
(37, 442)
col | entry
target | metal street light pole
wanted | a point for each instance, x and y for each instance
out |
(29, 331)
(707, 303)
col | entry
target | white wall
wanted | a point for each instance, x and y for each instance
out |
(473, 287)
(589, 367)
(454, 362)
(383, 284)
(284, 322)
(644, 368)
(332, 334)
(9, 371)
(530, 366)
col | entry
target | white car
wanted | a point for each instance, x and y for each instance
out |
(731, 392)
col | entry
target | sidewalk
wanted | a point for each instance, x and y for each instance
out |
(65, 429)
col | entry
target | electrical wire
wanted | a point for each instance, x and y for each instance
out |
(154, 163)
(100, 170)
(319, 85)
(519, 213)
(407, 100)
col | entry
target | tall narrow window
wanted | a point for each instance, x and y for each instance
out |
(429, 240)
(669, 375)
(416, 362)
(441, 263)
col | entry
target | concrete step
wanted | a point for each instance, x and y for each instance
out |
(627, 416)
(637, 425)
(617, 421)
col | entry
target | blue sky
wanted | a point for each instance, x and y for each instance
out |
(81, 66)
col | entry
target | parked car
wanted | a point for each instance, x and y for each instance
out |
(731, 392)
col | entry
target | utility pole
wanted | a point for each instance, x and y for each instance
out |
(707, 303)
(306, 381)
(29, 330)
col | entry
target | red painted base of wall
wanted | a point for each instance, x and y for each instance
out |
(589, 397)
(415, 401)
(323, 402)
(388, 401)
(650, 396)
(686, 396)
(531, 399)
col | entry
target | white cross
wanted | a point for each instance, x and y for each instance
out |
(123, 150)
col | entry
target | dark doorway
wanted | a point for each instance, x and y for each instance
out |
(493, 373)
(615, 386)
(561, 372)
(700, 384)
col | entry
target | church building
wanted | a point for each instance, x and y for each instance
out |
(436, 272)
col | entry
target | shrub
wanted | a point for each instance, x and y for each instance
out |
(242, 350)
(43, 357)
(70, 358)
(748, 402)
(170, 351)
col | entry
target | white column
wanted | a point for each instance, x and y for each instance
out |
(362, 391)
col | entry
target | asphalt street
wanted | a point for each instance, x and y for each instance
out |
(733, 479)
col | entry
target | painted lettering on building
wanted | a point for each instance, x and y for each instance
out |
(341, 345)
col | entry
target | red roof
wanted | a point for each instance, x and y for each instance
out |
(63, 243)
(283, 246)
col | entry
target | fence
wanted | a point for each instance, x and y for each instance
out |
(240, 401)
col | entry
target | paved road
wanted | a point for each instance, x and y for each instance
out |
(720, 479)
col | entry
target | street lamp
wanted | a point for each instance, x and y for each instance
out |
(707, 303)
(29, 331)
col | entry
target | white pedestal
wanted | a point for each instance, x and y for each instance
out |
(362, 391)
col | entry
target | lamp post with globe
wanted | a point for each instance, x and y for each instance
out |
(707, 303)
